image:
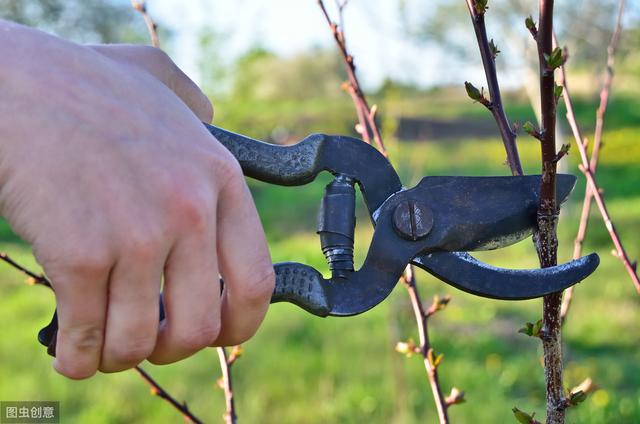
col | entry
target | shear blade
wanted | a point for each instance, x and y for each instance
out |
(482, 213)
(466, 273)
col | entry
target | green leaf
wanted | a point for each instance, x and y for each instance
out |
(521, 416)
(494, 49)
(536, 328)
(557, 91)
(527, 329)
(481, 6)
(528, 127)
(555, 59)
(530, 24)
(472, 91)
(438, 359)
(531, 329)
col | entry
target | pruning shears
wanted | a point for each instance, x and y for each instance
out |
(432, 226)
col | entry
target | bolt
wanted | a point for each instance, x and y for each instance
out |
(412, 220)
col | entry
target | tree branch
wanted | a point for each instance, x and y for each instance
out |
(592, 164)
(152, 27)
(545, 236)
(225, 384)
(158, 391)
(494, 105)
(36, 279)
(368, 125)
(368, 128)
(425, 348)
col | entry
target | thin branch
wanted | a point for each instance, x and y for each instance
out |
(426, 350)
(494, 104)
(368, 127)
(367, 122)
(34, 278)
(158, 391)
(152, 27)
(225, 384)
(593, 162)
(545, 236)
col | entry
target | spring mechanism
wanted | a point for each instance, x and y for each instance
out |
(336, 224)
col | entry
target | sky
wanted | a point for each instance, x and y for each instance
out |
(373, 27)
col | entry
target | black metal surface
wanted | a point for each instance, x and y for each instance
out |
(412, 220)
(466, 273)
(337, 223)
(300, 163)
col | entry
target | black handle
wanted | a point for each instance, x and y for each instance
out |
(295, 283)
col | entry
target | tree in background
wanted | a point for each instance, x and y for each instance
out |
(84, 21)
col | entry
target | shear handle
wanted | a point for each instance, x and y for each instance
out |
(300, 163)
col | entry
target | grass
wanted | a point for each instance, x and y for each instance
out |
(303, 369)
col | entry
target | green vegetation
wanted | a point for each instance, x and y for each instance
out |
(304, 369)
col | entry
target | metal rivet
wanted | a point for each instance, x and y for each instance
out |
(412, 220)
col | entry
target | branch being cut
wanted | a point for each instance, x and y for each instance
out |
(545, 236)
(592, 164)
(152, 27)
(488, 52)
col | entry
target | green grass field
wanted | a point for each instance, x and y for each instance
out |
(303, 369)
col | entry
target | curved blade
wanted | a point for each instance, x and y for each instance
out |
(481, 213)
(466, 273)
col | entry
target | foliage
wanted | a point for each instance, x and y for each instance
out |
(89, 21)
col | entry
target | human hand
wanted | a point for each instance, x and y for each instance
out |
(106, 169)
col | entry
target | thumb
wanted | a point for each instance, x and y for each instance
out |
(159, 64)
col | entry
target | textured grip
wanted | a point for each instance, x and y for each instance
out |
(303, 286)
(282, 165)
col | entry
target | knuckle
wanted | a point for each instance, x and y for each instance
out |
(131, 352)
(142, 247)
(198, 337)
(87, 338)
(193, 207)
(85, 261)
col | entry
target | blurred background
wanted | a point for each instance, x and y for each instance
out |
(273, 72)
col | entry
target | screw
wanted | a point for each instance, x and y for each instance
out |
(412, 220)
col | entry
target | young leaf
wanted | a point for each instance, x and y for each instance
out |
(521, 416)
(472, 91)
(529, 23)
(557, 91)
(481, 6)
(555, 59)
(536, 328)
(494, 49)
(531, 329)
(529, 128)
